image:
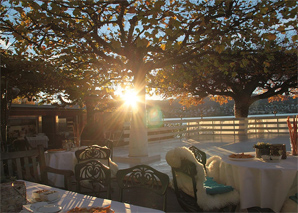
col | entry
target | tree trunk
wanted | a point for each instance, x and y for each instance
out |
(90, 105)
(138, 139)
(241, 107)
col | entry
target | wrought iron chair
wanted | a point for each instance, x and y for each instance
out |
(93, 178)
(200, 155)
(105, 142)
(188, 201)
(94, 152)
(143, 177)
(24, 166)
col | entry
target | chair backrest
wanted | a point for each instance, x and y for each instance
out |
(186, 170)
(21, 145)
(24, 165)
(200, 155)
(143, 176)
(21, 164)
(93, 152)
(93, 176)
(110, 145)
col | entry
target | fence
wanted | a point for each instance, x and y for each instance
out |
(178, 128)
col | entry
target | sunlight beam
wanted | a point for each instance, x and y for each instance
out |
(131, 99)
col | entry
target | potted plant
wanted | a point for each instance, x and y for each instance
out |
(262, 149)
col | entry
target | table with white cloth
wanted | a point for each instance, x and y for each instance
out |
(66, 160)
(69, 200)
(260, 183)
(38, 140)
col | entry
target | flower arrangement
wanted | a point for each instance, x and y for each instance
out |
(262, 149)
(293, 134)
(262, 145)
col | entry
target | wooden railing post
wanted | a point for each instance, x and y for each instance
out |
(242, 126)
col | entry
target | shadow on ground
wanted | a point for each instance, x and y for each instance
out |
(145, 198)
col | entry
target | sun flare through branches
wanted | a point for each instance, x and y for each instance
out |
(131, 99)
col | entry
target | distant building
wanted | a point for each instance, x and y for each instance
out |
(55, 122)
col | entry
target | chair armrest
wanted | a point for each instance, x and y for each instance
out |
(66, 173)
(110, 145)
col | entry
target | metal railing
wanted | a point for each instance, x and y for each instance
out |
(178, 128)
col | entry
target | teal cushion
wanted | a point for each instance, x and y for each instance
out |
(213, 188)
(294, 198)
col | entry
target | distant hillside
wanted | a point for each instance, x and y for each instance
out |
(212, 108)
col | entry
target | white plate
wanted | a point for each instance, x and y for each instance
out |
(42, 207)
(49, 208)
(241, 159)
(54, 201)
(34, 206)
(38, 200)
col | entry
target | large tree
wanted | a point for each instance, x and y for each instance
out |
(245, 77)
(24, 78)
(138, 36)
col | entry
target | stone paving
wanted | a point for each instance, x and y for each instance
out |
(212, 145)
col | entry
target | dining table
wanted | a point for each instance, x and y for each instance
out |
(66, 160)
(68, 200)
(34, 141)
(265, 184)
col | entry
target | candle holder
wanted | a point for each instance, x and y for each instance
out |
(13, 196)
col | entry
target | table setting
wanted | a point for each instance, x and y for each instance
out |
(65, 159)
(263, 178)
(39, 139)
(47, 199)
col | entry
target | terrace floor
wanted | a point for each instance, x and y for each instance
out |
(212, 145)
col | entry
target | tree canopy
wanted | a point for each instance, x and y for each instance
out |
(137, 38)
(246, 78)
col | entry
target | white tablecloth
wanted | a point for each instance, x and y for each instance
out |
(66, 160)
(262, 184)
(70, 200)
(38, 140)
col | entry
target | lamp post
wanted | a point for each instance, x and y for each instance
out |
(274, 112)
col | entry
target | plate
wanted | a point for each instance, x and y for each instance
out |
(54, 201)
(42, 207)
(241, 159)
(38, 200)
(51, 201)
(34, 206)
(49, 208)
